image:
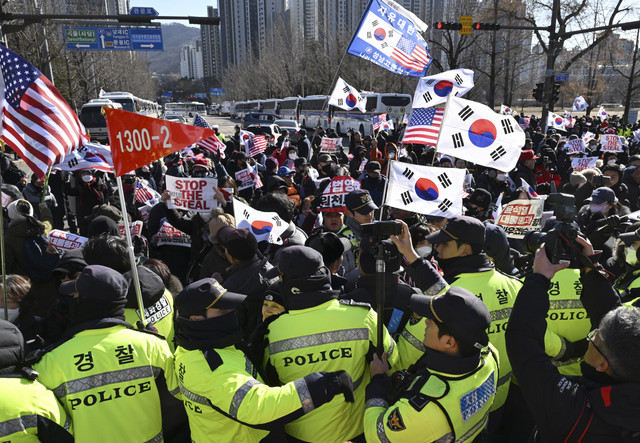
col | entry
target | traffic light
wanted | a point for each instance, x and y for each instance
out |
(555, 92)
(537, 91)
(448, 26)
(486, 27)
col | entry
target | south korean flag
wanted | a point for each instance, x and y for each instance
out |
(474, 132)
(345, 96)
(426, 190)
(434, 89)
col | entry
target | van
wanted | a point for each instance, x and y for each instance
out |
(93, 120)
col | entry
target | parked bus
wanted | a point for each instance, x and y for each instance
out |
(244, 108)
(290, 108)
(270, 106)
(186, 109)
(394, 105)
(93, 120)
(132, 103)
(314, 111)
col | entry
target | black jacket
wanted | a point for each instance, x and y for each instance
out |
(592, 408)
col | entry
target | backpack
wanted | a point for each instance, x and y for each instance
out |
(38, 263)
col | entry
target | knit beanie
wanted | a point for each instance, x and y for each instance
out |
(219, 219)
(19, 209)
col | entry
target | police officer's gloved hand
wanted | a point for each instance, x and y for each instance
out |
(148, 327)
(323, 386)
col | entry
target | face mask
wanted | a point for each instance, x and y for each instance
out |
(392, 155)
(200, 173)
(293, 156)
(594, 208)
(501, 177)
(13, 314)
(611, 162)
(630, 256)
(326, 169)
(424, 251)
(87, 178)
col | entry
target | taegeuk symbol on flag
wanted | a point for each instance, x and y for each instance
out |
(426, 190)
(434, 89)
(265, 226)
(555, 121)
(474, 132)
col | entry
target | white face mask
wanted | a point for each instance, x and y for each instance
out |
(392, 155)
(87, 178)
(630, 256)
(13, 314)
(424, 251)
(501, 177)
(595, 208)
(293, 156)
(611, 162)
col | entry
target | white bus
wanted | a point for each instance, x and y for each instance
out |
(271, 106)
(132, 103)
(394, 105)
(93, 120)
(244, 108)
(289, 108)
(314, 111)
(186, 109)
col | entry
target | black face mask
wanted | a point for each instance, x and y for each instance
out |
(326, 169)
(199, 174)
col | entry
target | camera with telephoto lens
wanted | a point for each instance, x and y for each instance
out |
(548, 164)
(599, 181)
(381, 230)
(559, 243)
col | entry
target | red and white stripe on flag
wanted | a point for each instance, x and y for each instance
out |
(424, 126)
(214, 145)
(37, 122)
(144, 193)
(258, 144)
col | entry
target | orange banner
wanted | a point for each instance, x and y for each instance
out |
(137, 140)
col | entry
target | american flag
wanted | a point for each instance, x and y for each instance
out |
(144, 193)
(411, 55)
(424, 126)
(211, 144)
(378, 121)
(37, 123)
(256, 145)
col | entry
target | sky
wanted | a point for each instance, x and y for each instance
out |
(177, 7)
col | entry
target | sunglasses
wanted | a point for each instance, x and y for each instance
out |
(590, 338)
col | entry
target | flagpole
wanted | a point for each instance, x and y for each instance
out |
(132, 257)
(384, 194)
(444, 119)
(2, 254)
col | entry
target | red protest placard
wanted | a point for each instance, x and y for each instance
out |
(137, 140)
(332, 199)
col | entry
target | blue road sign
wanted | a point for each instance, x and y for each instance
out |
(137, 10)
(167, 94)
(562, 76)
(216, 92)
(113, 39)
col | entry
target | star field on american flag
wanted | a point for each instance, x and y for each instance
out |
(424, 126)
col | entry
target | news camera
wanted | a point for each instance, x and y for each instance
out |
(560, 242)
(381, 230)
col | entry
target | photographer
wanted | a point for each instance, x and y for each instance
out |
(626, 259)
(614, 172)
(602, 204)
(599, 405)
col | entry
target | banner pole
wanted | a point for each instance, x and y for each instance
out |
(384, 194)
(2, 254)
(132, 257)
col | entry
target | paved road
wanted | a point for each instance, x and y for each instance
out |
(225, 124)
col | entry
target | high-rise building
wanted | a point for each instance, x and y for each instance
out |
(191, 61)
(210, 35)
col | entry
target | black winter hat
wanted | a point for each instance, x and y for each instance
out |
(151, 287)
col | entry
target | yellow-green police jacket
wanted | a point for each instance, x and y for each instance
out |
(29, 412)
(567, 319)
(436, 407)
(225, 397)
(329, 337)
(160, 314)
(106, 381)
(498, 291)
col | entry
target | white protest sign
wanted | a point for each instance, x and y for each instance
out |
(332, 199)
(66, 240)
(135, 228)
(244, 179)
(167, 235)
(610, 143)
(579, 164)
(577, 146)
(519, 216)
(330, 145)
(144, 210)
(192, 194)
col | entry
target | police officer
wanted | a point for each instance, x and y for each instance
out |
(28, 410)
(223, 392)
(447, 394)
(360, 208)
(320, 333)
(102, 370)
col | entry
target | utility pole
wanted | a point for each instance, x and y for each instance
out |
(634, 60)
(492, 69)
(552, 54)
